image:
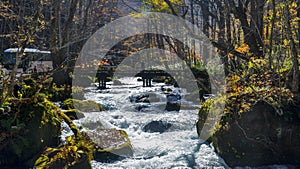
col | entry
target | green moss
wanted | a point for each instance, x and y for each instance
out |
(84, 106)
(71, 155)
(25, 125)
(74, 114)
(76, 153)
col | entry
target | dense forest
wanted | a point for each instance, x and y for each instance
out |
(257, 41)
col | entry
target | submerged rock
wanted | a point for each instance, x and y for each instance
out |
(157, 126)
(258, 137)
(111, 144)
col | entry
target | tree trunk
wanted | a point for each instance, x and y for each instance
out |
(221, 34)
(294, 50)
(60, 52)
(54, 44)
(205, 16)
(272, 34)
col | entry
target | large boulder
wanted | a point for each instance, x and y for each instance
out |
(258, 137)
(111, 144)
(25, 131)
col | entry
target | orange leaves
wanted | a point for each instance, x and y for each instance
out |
(244, 48)
(230, 55)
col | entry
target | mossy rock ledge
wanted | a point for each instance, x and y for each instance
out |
(111, 144)
(258, 137)
(36, 126)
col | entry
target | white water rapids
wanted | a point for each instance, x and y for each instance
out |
(178, 147)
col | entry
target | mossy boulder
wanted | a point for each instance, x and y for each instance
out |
(63, 157)
(111, 144)
(81, 105)
(25, 131)
(257, 137)
(73, 114)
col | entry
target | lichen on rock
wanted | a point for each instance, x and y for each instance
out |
(111, 144)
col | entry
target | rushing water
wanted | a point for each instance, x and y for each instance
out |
(178, 147)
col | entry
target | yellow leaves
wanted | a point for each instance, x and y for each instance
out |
(161, 5)
(248, 90)
(250, 65)
(20, 95)
(235, 78)
(286, 42)
(69, 139)
(257, 63)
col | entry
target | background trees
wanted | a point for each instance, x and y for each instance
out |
(242, 30)
(59, 26)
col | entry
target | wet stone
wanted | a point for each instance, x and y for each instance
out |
(157, 126)
(111, 144)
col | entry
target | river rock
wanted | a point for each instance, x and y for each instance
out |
(111, 144)
(172, 106)
(81, 105)
(258, 137)
(91, 125)
(157, 126)
(173, 102)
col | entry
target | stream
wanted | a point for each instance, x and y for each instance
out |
(176, 147)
